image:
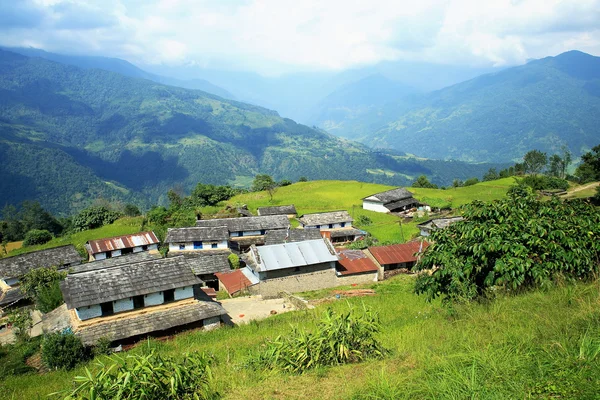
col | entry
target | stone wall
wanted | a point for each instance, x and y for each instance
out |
(357, 279)
(296, 283)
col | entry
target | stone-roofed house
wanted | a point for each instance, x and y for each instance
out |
(291, 235)
(113, 262)
(394, 200)
(197, 238)
(434, 224)
(134, 300)
(119, 245)
(334, 225)
(247, 231)
(206, 264)
(289, 211)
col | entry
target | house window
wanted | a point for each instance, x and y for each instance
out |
(107, 309)
(318, 226)
(343, 224)
(127, 251)
(197, 245)
(213, 246)
(330, 226)
(262, 231)
(169, 295)
(144, 247)
(108, 254)
(138, 302)
(182, 247)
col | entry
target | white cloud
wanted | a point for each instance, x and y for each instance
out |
(272, 36)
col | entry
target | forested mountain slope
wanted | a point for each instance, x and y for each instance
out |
(496, 117)
(70, 135)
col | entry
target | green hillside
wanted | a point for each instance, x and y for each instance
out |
(537, 345)
(71, 135)
(496, 117)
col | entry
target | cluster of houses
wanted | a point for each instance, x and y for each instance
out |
(127, 290)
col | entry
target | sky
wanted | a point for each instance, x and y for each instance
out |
(273, 37)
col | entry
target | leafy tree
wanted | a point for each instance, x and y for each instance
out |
(158, 215)
(234, 261)
(423, 182)
(542, 182)
(457, 183)
(12, 227)
(62, 350)
(20, 319)
(471, 181)
(37, 236)
(94, 217)
(34, 216)
(363, 220)
(303, 179)
(175, 200)
(131, 210)
(210, 195)
(555, 167)
(515, 243)
(491, 175)
(284, 182)
(42, 286)
(534, 161)
(264, 182)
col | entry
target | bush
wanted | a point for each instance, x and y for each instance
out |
(20, 319)
(131, 210)
(37, 236)
(42, 286)
(158, 215)
(102, 347)
(339, 339)
(94, 217)
(471, 182)
(62, 350)
(542, 182)
(363, 220)
(303, 179)
(148, 377)
(234, 261)
(363, 243)
(12, 358)
(49, 297)
(284, 182)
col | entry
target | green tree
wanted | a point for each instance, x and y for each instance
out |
(37, 236)
(423, 182)
(21, 322)
(491, 175)
(534, 161)
(457, 183)
(264, 182)
(42, 286)
(471, 181)
(303, 179)
(210, 195)
(234, 261)
(94, 217)
(131, 210)
(62, 350)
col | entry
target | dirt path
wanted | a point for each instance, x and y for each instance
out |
(584, 187)
(244, 309)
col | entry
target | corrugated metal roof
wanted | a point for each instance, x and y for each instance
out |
(397, 253)
(355, 262)
(236, 280)
(297, 254)
(122, 242)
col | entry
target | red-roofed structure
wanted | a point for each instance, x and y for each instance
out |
(355, 262)
(398, 255)
(100, 249)
(233, 281)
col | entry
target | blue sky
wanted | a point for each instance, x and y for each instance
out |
(279, 36)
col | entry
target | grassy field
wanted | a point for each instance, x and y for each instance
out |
(123, 226)
(318, 196)
(538, 345)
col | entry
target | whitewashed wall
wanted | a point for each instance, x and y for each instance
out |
(374, 206)
(184, 293)
(347, 224)
(123, 305)
(88, 312)
(189, 246)
(154, 299)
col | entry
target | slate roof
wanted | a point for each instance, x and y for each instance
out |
(354, 262)
(150, 321)
(277, 210)
(196, 234)
(438, 223)
(291, 235)
(324, 218)
(115, 261)
(247, 223)
(343, 232)
(110, 284)
(397, 253)
(237, 280)
(16, 266)
(207, 261)
(390, 196)
(121, 242)
(401, 203)
(10, 296)
(297, 254)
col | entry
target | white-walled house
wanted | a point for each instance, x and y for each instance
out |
(105, 302)
(197, 239)
(101, 249)
(394, 200)
(334, 225)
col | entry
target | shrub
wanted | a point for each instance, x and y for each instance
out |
(37, 236)
(363, 220)
(284, 182)
(42, 286)
(49, 297)
(234, 261)
(158, 215)
(363, 243)
(12, 358)
(303, 179)
(471, 182)
(149, 377)
(94, 217)
(542, 182)
(131, 210)
(20, 319)
(102, 347)
(339, 339)
(62, 350)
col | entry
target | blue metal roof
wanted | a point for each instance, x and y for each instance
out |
(296, 254)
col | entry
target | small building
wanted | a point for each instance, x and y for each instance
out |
(128, 302)
(289, 211)
(117, 246)
(396, 256)
(434, 224)
(395, 200)
(113, 262)
(13, 268)
(291, 235)
(334, 225)
(356, 264)
(197, 239)
(236, 281)
(206, 264)
(247, 231)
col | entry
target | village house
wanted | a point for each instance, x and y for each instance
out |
(13, 268)
(355, 264)
(434, 224)
(197, 239)
(206, 264)
(247, 231)
(396, 256)
(395, 200)
(334, 225)
(291, 235)
(289, 211)
(113, 262)
(128, 302)
(119, 245)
